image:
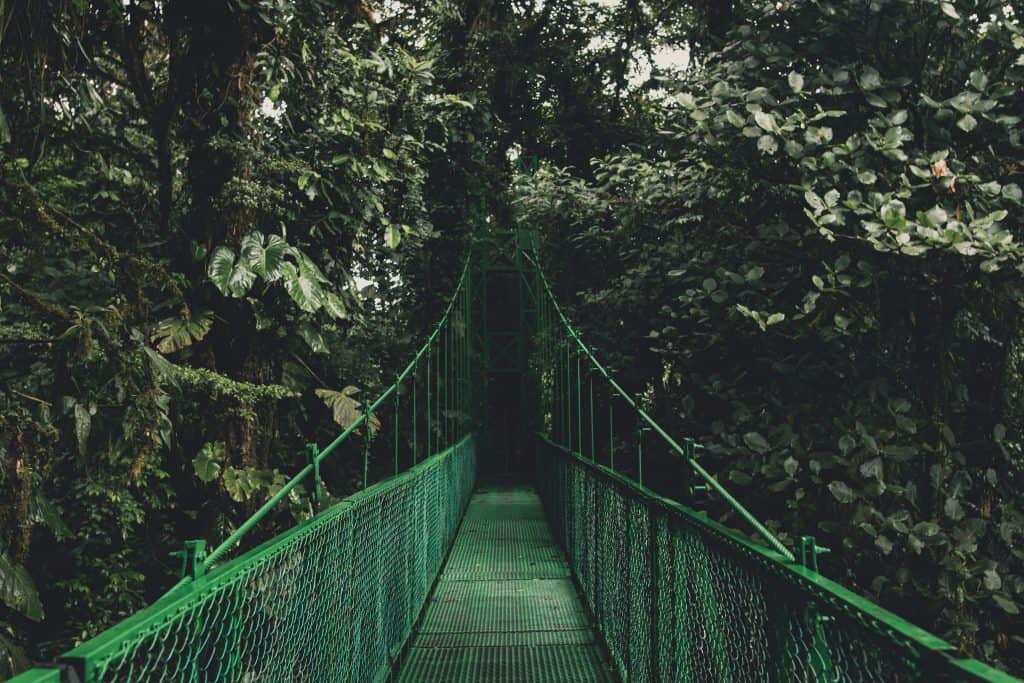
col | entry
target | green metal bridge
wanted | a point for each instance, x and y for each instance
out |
(453, 569)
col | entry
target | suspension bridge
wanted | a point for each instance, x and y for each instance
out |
(512, 539)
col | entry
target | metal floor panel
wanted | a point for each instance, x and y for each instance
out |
(535, 664)
(505, 609)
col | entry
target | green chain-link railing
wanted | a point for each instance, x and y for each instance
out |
(335, 597)
(676, 596)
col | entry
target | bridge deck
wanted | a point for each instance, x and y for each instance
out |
(505, 608)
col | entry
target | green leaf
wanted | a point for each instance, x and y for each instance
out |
(686, 100)
(5, 129)
(872, 469)
(83, 425)
(999, 432)
(311, 335)
(894, 214)
(174, 334)
(303, 287)
(1006, 604)
(392, 236)
(765, 121)
(756, 442)
(264, 257)
(816, 202)
(967, 123)
(767, 144)
(734, 118)
(18, 590)
(937, 216)
(44, 511)
(1013, 192)
(796, 81)
(883, 543)
(241, 483)
(221, 264)
(12, 656)
(841, 492)
(870, 79)
(207, 463)
(346, 409)
(334, 306)
(949, 10)
(231, 278)
(790, 466)
(875, 101)
(867, 177)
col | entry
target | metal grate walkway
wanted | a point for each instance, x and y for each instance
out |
(505, 609)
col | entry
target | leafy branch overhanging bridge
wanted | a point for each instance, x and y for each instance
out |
(586, 576)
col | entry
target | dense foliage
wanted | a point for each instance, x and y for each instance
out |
(800, 246)
(814, 266)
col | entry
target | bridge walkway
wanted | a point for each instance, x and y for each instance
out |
(505, 608)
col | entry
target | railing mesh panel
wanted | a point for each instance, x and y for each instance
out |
(331, 601)
(675, 603)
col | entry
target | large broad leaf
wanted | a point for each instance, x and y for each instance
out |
(311, 335)
(18, 591)
(207, 462)
(264, 256)
(303, 287)
(345, 407)
(334, 306)
(230, 277)
(174, 334)
(242, 482)
(392, 236)
(309, 268)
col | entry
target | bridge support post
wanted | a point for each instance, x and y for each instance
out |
(192, 555)
(312, 457)
(593, 445)
(367, 436)
(398, 389)
(821, 658)
(611, 429)
(690, 449)
(640, 429)
(415, 417)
